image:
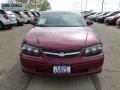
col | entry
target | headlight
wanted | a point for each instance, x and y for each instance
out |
(93, 50)
(30, 50)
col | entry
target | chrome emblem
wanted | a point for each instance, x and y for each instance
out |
(61, 54)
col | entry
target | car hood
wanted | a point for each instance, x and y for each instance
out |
(61, 37)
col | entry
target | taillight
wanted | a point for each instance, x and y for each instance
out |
(6, 17)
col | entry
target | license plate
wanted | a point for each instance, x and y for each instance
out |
(61, 69)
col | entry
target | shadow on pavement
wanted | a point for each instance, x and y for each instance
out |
(61, 83)
(96, 82)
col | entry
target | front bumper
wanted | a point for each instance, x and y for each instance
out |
(110, 22)
(79, 67)
(13, 22)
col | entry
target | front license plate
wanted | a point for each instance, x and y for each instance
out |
(61, 69)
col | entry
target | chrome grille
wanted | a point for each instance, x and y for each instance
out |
(61, 53)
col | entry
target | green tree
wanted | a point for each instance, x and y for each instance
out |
(22, 1)
(38, 4)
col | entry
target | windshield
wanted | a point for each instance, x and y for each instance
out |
(50, 19)
(105, 13)
(118, 14)
(109, 14)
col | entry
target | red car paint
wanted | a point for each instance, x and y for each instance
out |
(111, 20)
(62, 38)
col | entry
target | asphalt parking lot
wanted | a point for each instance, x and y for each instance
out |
(12, 78)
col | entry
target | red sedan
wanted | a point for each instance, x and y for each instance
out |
(62, 44)
(112, 20)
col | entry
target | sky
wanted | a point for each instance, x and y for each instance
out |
(96, 5)
(69, 5)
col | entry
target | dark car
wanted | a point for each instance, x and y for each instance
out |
(62, 43)
(86, 15)
(93, 17)
(38, 14)
(118, 22)
(30, 17)
(102, 19)
(103, 14)
(112, 19)
(35, 15)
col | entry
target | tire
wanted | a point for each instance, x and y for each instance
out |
(9, 27)
(1, 25)
(18, 23)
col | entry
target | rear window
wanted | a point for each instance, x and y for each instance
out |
(27, 13)
(16, 12)
(2, 12)
(9, 12)
(38, 13)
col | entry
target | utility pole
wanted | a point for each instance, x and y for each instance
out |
(86, 6)
(102, 5)
(81, 4)
(76, 6)
(105, 6)
(119, 6)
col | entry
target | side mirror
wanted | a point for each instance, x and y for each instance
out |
(89, 22)
(33, 23)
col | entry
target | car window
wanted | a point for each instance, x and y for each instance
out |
(105, 13)
(61, 20)
(16, 12)
(118, 14)
(27, 14)
(114, 13)
(109, 14)
(2, 12)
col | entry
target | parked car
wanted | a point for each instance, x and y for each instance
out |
(93, 17)
(90, 17)
(61, 43)
(38, 14)
(118, 22)
(29, 16)
(4, 20)
(12, 17)
(102, 19)
(99, 17)
(35, 15)
(24, 17)
(86, 16)
(19, 17)
(112, 19)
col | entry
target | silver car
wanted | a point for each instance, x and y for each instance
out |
(29, 16)
(4, 20)
(25, 17)
(12, 17)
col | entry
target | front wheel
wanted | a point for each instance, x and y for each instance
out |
(9, 27)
